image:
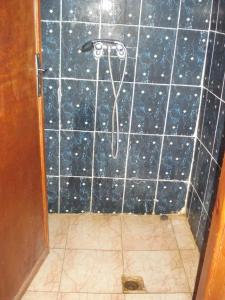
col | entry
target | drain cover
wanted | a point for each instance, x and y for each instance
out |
(132, 283)
(164, 217)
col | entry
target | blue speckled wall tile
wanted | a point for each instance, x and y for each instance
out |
(203, 230)
(189, 58)
(77, 117)
(149, 109)
(50, 10)
(213, 25)
(121, 12)
(105, 165)
(210, 121)
(183, 110)
(50, 45)
(105, 107)
(74, 62)
(78, 105)
(209, 57)
(156, 47)
(195, 213)
(176, 158)
(107, 195)
(81, 10)
(125, 34)
(53, 190)
(75, 195)
(117, 69)
(221, 17)
(202, 171)
(217, 66)
(76, 153)
(195, 162)
(202, 113)
(52, 152)
(51, 104)
(195, 14)
(139, 196)
(143, 159)
(210, 194)
(171, 197)
(160, 13)
(219, 146)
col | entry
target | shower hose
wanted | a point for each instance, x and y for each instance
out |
(115, 111)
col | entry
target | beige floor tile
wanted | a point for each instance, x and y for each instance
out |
(147, 233)
(95, 232)
(183, 233)
(162, 271)
(159, 297)
(92, 271)
(190, 259)
(48, 277)
(58, 230)
(40, 296)
(72, 296)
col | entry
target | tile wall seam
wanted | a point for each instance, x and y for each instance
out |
(96, 109)
(218, 98)
(119, 178)
(123, 133)
(199, 198)
(167, 107)
(199, 112)
(127, 25)
(59, 102)
(127, 82)
(210, 154)
(131, 109)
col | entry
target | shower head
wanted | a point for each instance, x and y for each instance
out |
(88, 46)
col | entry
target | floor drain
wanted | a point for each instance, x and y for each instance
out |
(132, 284)
(164, 217)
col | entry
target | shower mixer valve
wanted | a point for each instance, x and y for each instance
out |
(98, 47)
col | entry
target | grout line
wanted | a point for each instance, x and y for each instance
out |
(121, 235)
(59, 102)
(199, 110)
(123, 133)
(179, 250)
(199, 198)
(131, 109)
(95, 116)
(208, 152)
(118, 178)
(218, 98)
(126, 82)
(125, 25)
(167, 107)
(65, 248)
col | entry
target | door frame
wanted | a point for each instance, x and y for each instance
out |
(212, 278)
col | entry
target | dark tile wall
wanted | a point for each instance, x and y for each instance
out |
(211, 131)
(158, 105)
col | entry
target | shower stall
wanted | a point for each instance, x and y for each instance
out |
(134, 130)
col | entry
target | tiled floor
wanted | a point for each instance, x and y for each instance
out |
(89, 254)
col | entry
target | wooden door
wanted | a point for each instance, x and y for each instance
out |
(23, 209)
(212, 280)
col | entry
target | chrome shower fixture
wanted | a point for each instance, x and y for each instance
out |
(99, 45)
